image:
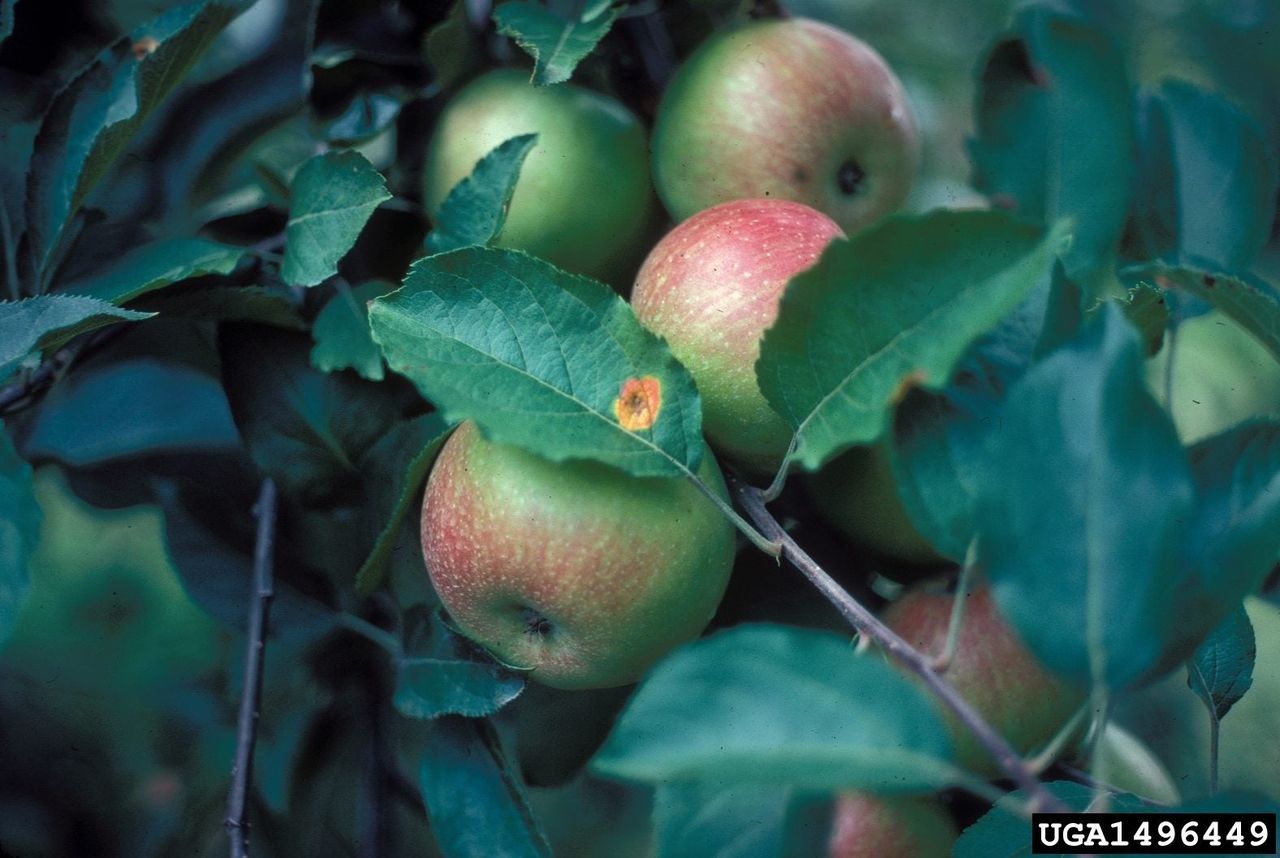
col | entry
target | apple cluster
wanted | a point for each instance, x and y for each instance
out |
(774, 139)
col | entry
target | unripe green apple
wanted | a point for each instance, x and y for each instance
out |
(1221, 376)
(583, 200)
(875, 826)
(787, 109)
(992, 669)
(856, 493)
(575, 570)
(710, 288)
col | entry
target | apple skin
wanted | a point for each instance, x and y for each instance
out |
(787, 109)
(875, 826)
(856, 493)
(992, 669)
(574, 569)
(583, 201)
(711, 288)
(1222, 376)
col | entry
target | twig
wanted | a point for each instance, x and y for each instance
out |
(869, 626)
(237, 824)
(22, 393)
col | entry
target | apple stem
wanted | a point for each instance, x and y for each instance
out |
(237, 823)
(870, 626)
(771, 547)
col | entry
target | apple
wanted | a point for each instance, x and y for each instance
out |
(787, 109)
(710, 288)
(574, 570)
(856, 493)
(874, 826)
(991, 668)
(583, 200)
(1221, 376)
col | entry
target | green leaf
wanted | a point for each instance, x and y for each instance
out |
(263, 304)
(48, 320)
(1247, 301)
(1234, 537)
(368, 115)
(19, 531)
(476, 804)
(939, 438)
(341, 332)
(132, 408)
(6, 18)
(1055, 132)
(876, 317)
(156, 265)
(94, 117)
(333, 196)
(696, 819)
(557, 44)
(1207, 178)
(394, 470)
(779, 705)
(452, 49)
(1083, 507)
(443, 673)
(306, 428)
(1221, 670)
(474, 211)
(541, 359)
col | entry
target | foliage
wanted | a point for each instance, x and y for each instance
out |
(216, 271)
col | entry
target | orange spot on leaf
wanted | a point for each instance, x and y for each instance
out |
(144, 47)
(638, 404)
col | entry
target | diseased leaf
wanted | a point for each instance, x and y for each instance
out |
(552, 362)
(442, 673)
(784, 706)
(394, 470)
(1221, 670)
(19, 531)
(557, 44)
(48, 320)
(1246, 300)
(342, 336)
(1207, 179)
(475, 801)
(135, 407)
(876, 317)
(156, 265)
(333, 196)
(474, 211)
(95, 116)
(1082, 510)
(1055, 132)
(1147, 309)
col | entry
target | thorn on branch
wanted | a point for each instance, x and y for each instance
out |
(261, 593)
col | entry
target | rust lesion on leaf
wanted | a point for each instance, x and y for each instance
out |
(144, 47)
(638, 403)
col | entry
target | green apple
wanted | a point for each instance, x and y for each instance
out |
(991, 668)
(574, 570)
(856, 493)
(874, 826)
(788, 109)
(1221, 376)
(710, 288)
(583, 200)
